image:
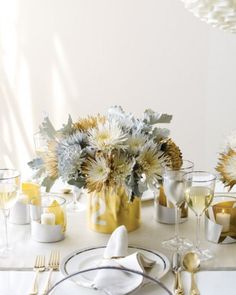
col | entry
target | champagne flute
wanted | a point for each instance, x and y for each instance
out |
(9, 187)
(199, 193)
(174, 191)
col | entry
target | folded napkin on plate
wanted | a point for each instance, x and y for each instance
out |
(116, 282)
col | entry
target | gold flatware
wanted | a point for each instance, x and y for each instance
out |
(191, 263)
(53, 264)
(176, 268)
(39, 266)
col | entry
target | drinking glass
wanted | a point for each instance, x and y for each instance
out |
(9, 187)
(41, 148)
(40, 144)
(174, 190)
(75, 205)
(199, 193)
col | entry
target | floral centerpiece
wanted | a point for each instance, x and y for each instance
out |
(108, 155)
(227, 162)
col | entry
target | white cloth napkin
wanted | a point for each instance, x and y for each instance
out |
(116, 282)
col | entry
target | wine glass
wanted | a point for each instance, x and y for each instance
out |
(174, 190)
(75, 205)
(41, 148)
(199, 193)
(9, 186)
(40, 144)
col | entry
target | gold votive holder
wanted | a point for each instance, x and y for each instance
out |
(48, 219)
(164, 211)
(221, 220)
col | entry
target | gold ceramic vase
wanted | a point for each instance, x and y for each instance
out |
(110, 208)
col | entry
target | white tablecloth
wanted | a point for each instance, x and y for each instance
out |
(149, 235)
(209, 283)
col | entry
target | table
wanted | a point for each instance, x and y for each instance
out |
(216, 277)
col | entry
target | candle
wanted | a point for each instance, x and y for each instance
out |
(47, 218)
(223, 219)
(23, 199)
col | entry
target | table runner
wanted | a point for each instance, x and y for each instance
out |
(209, 283)
(78, 236)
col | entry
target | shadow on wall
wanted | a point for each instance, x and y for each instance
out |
(28, 49)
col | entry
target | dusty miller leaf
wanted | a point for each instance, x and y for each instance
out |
(35, 163)
(79, 182)
(47, 129)
(67, 128)
(151, 117)
(159, 133)
(48, 183)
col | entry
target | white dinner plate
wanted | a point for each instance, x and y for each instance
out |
(92, 257)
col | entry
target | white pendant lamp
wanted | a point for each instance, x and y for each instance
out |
(219, 13)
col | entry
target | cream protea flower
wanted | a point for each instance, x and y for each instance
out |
(135, 141)
(227, 168)
(97, 173)
(107, 136)
(90, 122)
(150, 161)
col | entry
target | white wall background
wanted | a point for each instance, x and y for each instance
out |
(82, 56)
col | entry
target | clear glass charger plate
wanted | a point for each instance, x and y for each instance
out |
(92, 257)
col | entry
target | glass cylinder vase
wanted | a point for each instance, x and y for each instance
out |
(48, 219)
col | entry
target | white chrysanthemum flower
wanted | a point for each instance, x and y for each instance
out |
(122, 167)
(97, 173)
(227, 168)
(107, 136)
(135, 142)
(231, 141)
(230, 168)
(150, 160)
(125, 120)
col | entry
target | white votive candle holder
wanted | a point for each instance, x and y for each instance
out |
(48, 219)
(19, 213)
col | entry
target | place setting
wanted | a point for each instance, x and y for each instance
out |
(113, 161)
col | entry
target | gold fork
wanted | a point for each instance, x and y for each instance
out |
(39, 266)
(53, 264)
